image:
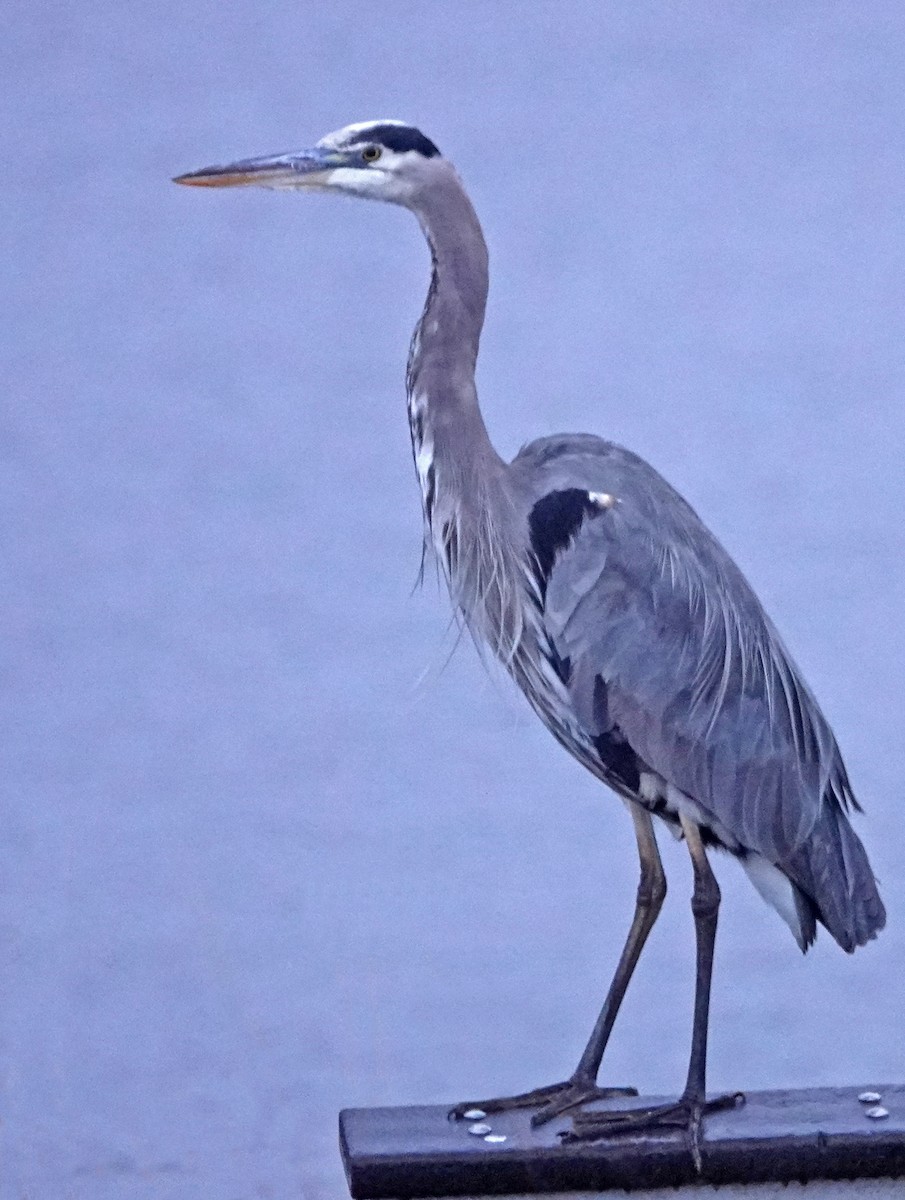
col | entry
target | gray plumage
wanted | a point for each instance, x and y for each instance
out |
(667, 644)
(628, 627)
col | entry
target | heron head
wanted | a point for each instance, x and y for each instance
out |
(380, 160)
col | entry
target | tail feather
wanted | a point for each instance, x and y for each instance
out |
(832, 871)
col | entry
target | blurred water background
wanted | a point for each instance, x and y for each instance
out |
(272, 844)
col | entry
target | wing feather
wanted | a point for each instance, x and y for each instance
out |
(697, 679)
(671, 656)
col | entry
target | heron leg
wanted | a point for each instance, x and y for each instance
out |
(582, 1087)
(688, 1111)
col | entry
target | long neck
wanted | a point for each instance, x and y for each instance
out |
(468, 512)
(450, 442)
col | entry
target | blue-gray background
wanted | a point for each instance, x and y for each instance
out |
(265, 853)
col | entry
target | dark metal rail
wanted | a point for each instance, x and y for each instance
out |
(818, 1133)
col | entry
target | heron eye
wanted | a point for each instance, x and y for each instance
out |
(371, 153)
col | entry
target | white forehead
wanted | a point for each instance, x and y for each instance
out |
(350, 135)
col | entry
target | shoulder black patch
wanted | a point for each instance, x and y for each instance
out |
(552, 523)
(401, 138)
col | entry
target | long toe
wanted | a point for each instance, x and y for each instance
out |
(573, 1095)
(550, 1100)
(685, 1113)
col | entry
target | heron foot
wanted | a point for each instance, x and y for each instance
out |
(550, 1101)
(686, 1113)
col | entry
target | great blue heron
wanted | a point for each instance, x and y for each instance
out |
(632, 633)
